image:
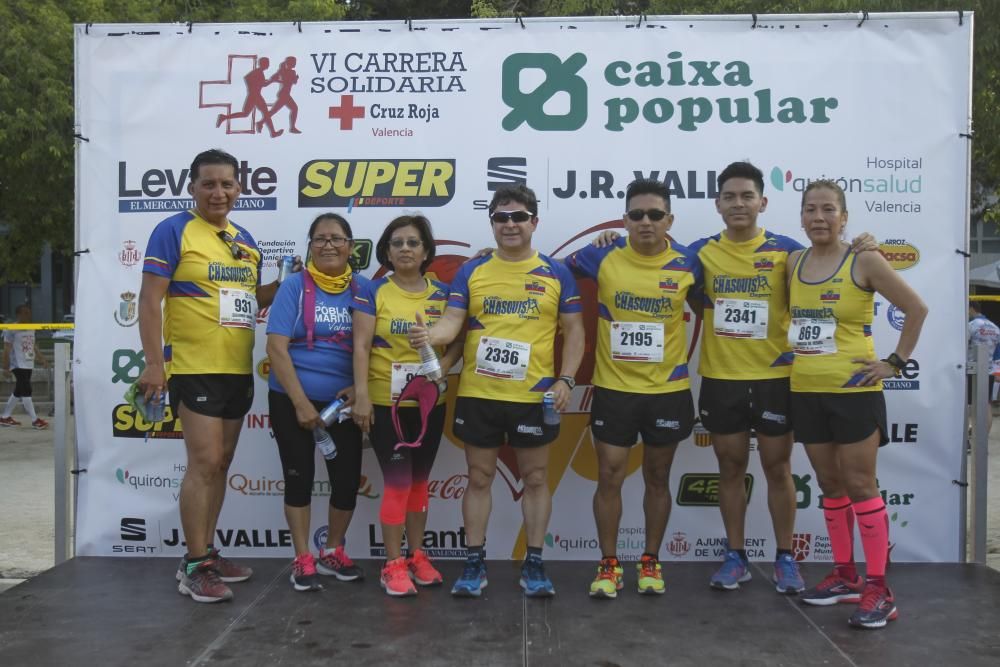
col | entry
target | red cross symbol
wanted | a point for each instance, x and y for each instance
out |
(347, 112)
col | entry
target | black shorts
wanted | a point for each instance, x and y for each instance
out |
(482, 422)
(213, 395)
(737, 406)
(839, 418)
(968, 389)
(22, 382)
(619, 417)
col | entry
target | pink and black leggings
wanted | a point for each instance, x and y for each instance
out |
(405, 471)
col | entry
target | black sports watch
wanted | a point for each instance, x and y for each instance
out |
(569, 380)
(896, 362)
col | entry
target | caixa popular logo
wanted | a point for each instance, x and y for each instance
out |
(334, 183)
(676, 91)
(144, 189)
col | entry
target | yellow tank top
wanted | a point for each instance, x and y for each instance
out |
(831, 324)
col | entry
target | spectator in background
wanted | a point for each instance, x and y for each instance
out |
(981, 331)
(19, 353)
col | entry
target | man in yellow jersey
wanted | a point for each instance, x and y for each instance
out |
(207, 270)
(641, 384)
(513, 300)
(745, 364)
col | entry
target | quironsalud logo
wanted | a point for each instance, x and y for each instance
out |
(779, 178)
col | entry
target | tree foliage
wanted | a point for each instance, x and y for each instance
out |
(36, 83)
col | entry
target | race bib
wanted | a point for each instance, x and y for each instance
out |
(502, 359)
(401, 374)
(741, 318)
(637, 341)
(237, 308)
(809, 335)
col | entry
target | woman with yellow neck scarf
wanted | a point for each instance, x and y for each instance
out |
(310, 346)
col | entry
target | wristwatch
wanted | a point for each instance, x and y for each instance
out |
(896, 362)
(569, 380)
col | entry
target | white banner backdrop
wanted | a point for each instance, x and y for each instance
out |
(373, 120)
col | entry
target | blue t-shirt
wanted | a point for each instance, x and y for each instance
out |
(328, 367)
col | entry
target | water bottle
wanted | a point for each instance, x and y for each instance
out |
(331, 411)
(430, 365)
(324, 443)
(285, 267)
(550, 415)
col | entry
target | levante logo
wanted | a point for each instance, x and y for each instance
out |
(651, 92)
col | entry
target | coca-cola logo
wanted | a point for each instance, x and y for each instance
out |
(452, 488)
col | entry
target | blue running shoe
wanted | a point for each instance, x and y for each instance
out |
(534, 581)
(787, 579)
(473, 579)
(733, 572)
(878, 607)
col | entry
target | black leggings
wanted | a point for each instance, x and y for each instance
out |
(297, 450)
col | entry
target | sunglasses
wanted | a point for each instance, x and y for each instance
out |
(654, 214)
(409, 243)
(500, 217)
(334, 241)
(234, 248)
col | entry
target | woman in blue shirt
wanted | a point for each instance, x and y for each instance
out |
(309, 343)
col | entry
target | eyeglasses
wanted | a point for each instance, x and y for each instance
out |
(234, 247)
(500, 217)
(334, 241)
(654, 214)
(409, 243)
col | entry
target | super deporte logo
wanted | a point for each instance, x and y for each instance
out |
(647, 94)
(159, 189)
(328, 183)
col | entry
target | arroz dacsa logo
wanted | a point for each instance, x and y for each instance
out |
(354, 183)
(900, 254)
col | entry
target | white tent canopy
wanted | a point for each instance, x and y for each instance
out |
(986, 276)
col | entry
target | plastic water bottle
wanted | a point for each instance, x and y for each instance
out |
(324, 443)
(550, 415)
(285, 267)
(430, 365)
(332, 411)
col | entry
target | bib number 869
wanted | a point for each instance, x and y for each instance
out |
(809, 332)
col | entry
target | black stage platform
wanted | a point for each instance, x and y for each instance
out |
(107, 611)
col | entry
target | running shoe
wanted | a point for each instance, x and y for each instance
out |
(734, 571)
(650, 576)
(395, 579)
(9, 421)
(204, 585)
(304, 577)
(608, 581)
(421, 569)
(39, 424)
(833, 589)
(534, 581)
(878, 607)
(787, 579)
(229, 572)
(338, 564)
(473, 579)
